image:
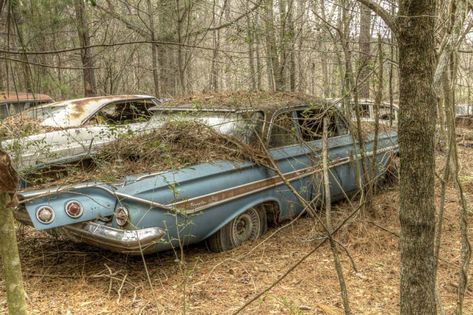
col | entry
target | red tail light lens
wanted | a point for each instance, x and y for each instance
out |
(45, 214)
(74, 209)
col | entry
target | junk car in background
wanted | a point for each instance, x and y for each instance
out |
(388, 114)
(69, 130)
(221, 201)
(12, 103)
(464, 115)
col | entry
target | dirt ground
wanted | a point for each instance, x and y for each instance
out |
(66, 278)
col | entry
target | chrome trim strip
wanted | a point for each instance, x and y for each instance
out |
(305, 172)
(149, 202)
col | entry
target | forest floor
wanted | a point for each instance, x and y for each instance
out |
(66, 278)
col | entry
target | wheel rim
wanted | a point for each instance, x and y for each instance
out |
(246, 226)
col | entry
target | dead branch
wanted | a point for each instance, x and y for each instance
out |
(328, 216)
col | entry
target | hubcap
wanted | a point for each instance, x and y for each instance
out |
(246, 227)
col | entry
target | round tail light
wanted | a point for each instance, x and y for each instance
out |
(121, 216)
(74, 209)
(45, 214)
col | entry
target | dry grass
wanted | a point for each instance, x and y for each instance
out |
(20, 126)
(66, 278)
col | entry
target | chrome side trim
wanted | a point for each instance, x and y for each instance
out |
(299, 174)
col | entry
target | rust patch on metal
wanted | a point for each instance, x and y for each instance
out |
(79, 106)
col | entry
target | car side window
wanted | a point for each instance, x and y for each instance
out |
(311, 124)
(283, 131)
(124, 113)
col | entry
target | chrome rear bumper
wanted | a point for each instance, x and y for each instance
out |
(131, 242)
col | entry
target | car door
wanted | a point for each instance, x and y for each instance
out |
(342, 171)
(295, 141)
(291, 157)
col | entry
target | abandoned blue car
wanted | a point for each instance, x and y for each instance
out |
(222, 202)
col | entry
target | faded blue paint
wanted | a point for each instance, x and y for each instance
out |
(173, 186)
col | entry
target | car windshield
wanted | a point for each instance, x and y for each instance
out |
(242, 125)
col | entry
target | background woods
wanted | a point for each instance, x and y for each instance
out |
(169, 48)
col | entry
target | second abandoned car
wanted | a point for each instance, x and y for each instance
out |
(223, 202)
(12, 102)
(69, 130)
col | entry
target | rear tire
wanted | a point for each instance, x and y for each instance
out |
(249, 225)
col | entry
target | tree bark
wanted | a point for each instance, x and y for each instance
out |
(154, 49)
(272, 51)
(8, 244)
(19, 30)
(251, 50)
(365, 51)
(328, 218)
(291, 35)
(90, 85)
(416, 141)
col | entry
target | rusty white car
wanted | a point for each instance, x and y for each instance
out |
(73, 129)
(388, 115)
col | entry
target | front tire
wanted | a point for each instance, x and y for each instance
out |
(249, 225)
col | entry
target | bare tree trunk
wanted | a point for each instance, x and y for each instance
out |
(214, 67)
(167, 60)
(418, 105)
(272, 51)
(301, 16)
(251, 50)
(182, 13)
(328, 216)
(90, 85)
(325, 77)
(391, 71)
(2, 76)
(259, 68)
(291, 37)
(154, 49)
(282, 47)
(8, 244)
(377, 104)
(2, 4)
(449, 95)
(18, 28)
(365, 51)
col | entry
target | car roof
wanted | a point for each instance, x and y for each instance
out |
(15, 97)
(82, 108)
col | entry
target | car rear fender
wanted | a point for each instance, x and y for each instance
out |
(96, 202)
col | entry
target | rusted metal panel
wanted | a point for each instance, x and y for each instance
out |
(14, 97)
(75, 112)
